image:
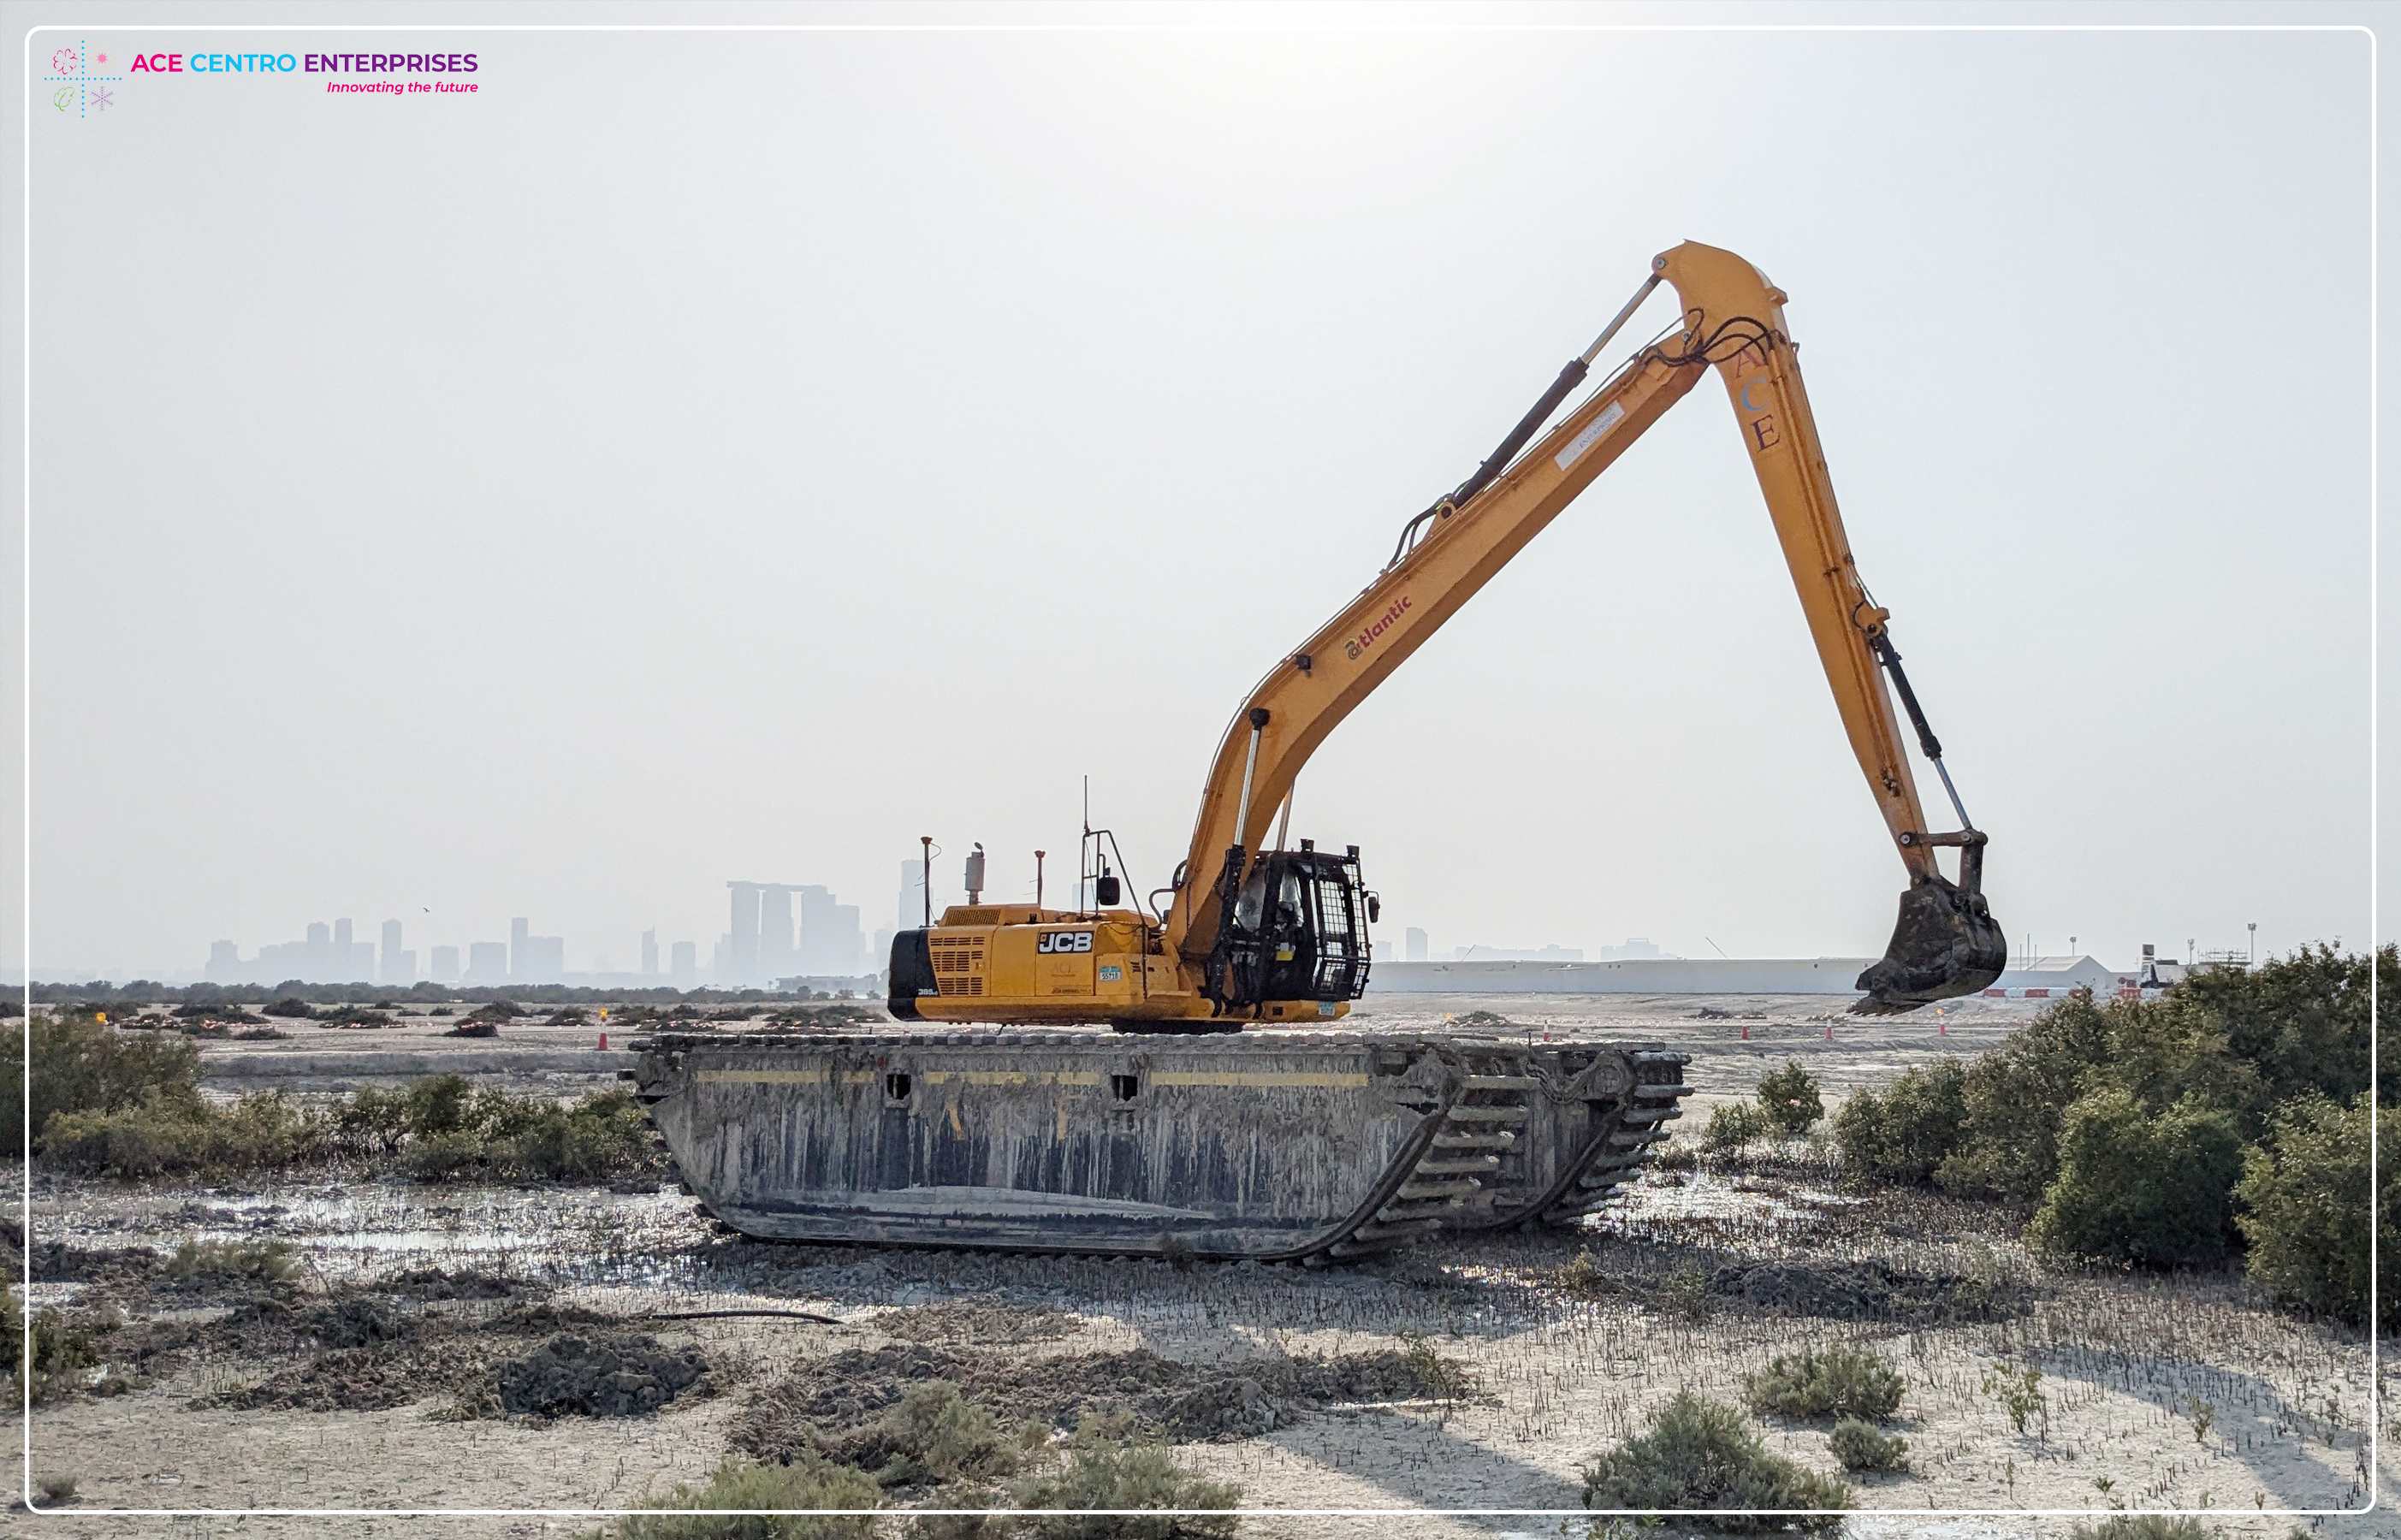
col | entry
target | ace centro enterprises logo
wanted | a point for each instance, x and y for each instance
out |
(80, 79)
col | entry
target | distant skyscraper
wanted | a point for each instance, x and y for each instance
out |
(912, 907)
(535, 959)
(776, 935)
(739, 966)
(488, 963)
(398, 967)
(829, 936)
(225, 963)
(445, 965)
(545, 959)
(683, 968)
(649, 954)
(1413, 945)
(354, 961)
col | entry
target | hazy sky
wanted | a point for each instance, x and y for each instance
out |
(714, 455)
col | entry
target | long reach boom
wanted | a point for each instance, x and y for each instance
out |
(1946, 943)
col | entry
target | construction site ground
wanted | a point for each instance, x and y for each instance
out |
(2153, 1391)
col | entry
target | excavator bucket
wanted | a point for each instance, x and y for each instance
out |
(1945, 945)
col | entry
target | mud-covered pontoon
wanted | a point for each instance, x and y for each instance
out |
(1306, 1147)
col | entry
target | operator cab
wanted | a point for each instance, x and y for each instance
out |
(1297, 931)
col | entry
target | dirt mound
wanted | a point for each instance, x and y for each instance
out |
(433, 1283)
(1861, 1291)
(984, 1320)
(352, 1380)
(828, 1404)
(56, 1263)
(598, 1376)
(359, 1321)
(1234, 1406)
(533, 1320)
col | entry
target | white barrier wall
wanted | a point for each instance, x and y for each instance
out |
(2051, 977)
(1633, 976)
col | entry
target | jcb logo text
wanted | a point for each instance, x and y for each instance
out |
(1064, 940)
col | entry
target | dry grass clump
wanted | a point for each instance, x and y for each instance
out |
(1839, 1382)
(809, 1484)
(1732, 1126)
(207, 1264)
(1860, 1447)
(2146, 1526)
(1700, 1453)
(1109, 1466)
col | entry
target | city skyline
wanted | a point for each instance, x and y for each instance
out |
(764, 943)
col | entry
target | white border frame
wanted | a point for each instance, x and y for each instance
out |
(2375, 1421)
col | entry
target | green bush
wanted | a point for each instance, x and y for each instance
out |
(1789, 1100)
(12, 1106)
(442, 1127)
(79, 1064)
(1858, 1446)
(2015, 1099)
(2139, 1184)
(1732, 1126)
(1839, 1382)
(1106, 1468)
(1902, 1133)
(1704, 1454)
(2236, 1041)
(2305, 1198)
(164, 1136)
(291, 1007)
(810, 1483)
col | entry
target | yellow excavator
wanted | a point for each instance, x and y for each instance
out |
(1250, 934)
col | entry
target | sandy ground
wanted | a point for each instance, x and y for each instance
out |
(2126, 1364)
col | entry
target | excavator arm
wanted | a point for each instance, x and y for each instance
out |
(1945, 943)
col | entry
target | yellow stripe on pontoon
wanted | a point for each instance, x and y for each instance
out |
(1254, 1077)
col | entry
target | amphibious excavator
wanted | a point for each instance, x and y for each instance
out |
(1170, 1136)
